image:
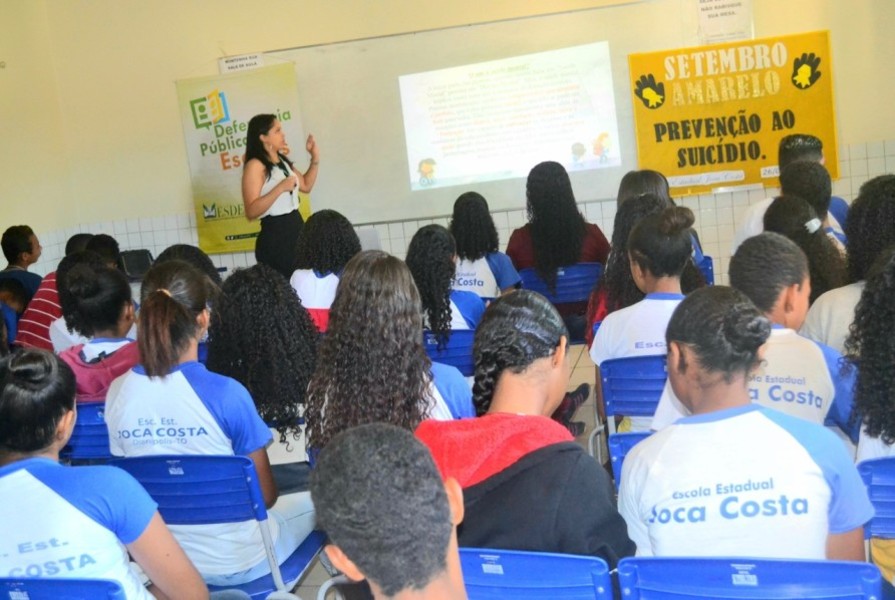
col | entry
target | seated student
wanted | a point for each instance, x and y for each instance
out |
(481, 268)
(205, 413)
(372, 366)
(102, 310)
(431, 258)
(44, 308)
(84, 514)
(13, 299)
(262, 337)
(61, 335)
(200, 260)
(871, 347)
(793, 148)
(811, 182)
(659, 248)
(870, 229)
(527, 484)
(556, 235)
(107, 247)
(736, 479)
(389, 517)
(794, 218)
(325, 245)
(798, 376)
(21, 249)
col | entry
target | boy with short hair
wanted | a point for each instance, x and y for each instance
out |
(21, 249)
(389, 517)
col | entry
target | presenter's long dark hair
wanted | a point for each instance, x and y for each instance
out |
(557, 226)
(259, 125)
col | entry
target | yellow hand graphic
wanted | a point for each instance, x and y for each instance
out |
(805, 72)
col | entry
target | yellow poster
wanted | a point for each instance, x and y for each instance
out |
(712, 116)
(215, 112)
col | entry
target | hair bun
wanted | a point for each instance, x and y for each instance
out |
(746, 333)
(82, 281)
(676, 219)
(31, 369)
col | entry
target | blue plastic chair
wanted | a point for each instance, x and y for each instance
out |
(879, 477)
(505, 574)
(619, 446)
(630, 387)
(573, 283)
(708, 269)
(89, 441)
(741, 578)
(457, 352)
(60, 589)
(196, 490)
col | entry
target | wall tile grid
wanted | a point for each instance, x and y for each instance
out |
(715, 218)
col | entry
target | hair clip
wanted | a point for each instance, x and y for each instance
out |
(813, 225)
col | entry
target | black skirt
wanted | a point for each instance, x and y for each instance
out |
(275, 245)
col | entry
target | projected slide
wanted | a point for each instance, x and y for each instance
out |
(497, 119)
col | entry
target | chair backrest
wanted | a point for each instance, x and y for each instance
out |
(457, 352)
(196, 490)
(90, 436)
(679, 578)
(573, 283)
(498, 574)
(708, 269)
(59, 589)
(619, 446)
(632, 386)
(879, 477)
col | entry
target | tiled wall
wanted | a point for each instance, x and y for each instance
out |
(715, 218)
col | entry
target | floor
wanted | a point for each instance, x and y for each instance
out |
(582, 372)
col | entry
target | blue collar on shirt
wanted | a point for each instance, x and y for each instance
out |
(182, 366)
(719, 415)
(109, 340)
(664, 296)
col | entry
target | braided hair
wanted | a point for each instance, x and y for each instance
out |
(517, 330)
(430, 258)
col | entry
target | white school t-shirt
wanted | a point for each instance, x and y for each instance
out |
(192, 411)
(466, 310)
(637, 330)
(705, 487)
(285, 202)
(798, 377)
(71, 522)
(486, 277)
(831, 315)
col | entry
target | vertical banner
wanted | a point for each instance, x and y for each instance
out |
(713, 116)
(215, 113)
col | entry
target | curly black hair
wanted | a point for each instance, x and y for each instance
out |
(557, 226)
(617, 282)
(472, 227)
(517, 329)
(430, 258)
(99, 296)
(871, 225)
(263, 337)
(793, 217)
(67, 302)
(764, 265)
(871, 348)
(372, 366)
(326, 243)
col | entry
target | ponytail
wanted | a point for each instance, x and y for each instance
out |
(174, 295)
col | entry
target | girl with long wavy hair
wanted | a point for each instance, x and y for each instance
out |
(372, 366)
(526, 483)
(325, 245)
(481, 267)
(263, 338)
(430, 258)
